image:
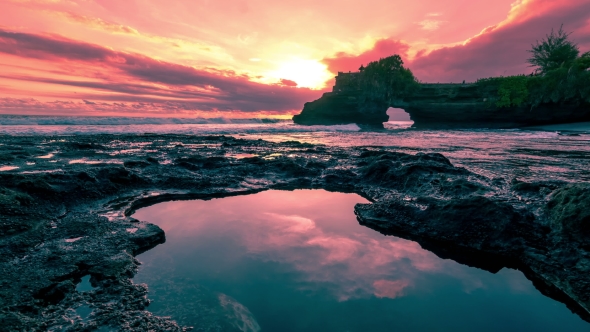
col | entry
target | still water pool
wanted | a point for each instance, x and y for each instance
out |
(299, 261)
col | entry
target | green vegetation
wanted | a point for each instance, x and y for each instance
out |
(553, 52)
(509, 91)
(565, 84)
(561, 77)
(386, 80)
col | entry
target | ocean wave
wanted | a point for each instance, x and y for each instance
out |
(24, 120)
(219, 126)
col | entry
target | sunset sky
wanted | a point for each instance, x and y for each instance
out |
(251, 58)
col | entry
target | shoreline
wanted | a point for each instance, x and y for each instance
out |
(58, 227)
(569, 127)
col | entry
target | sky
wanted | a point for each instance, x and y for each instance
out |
(251, 58)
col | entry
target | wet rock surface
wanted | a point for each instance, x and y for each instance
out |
(66, 202)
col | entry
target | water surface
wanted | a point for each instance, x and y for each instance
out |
(527, 155)
(299, 261)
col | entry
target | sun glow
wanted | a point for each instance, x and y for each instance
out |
(306, 73)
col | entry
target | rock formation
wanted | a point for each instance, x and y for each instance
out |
(437, 106)
(59, 225)
(469, 106)
(335, 108)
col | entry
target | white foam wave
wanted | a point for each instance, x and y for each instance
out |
(40, 125)
(20, 120)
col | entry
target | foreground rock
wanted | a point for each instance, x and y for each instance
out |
(66, 217)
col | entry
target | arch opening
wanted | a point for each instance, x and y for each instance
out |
(398, 115)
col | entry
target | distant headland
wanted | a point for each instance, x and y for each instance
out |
(557, 92)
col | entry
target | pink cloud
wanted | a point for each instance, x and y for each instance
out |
(502, 49)
(132, 77)
(497, 50)
(343, 62)
(149, 50)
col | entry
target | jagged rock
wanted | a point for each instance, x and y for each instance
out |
(569, 208)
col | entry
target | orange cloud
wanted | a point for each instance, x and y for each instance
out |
(216, 55)
(497, 50)
(128, 77)
(502, 49)
(98, 23)
(343, 62)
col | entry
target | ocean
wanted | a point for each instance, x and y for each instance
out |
(552, 153)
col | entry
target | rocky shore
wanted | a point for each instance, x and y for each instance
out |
(66, 204)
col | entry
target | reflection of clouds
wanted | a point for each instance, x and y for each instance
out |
(354, 264)
(314, 232)
(390, 289)
(292, 223)
(335, 249)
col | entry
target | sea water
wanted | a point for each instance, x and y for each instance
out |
(527, 155)
(299, 261)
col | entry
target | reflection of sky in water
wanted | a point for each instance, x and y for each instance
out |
(300, 261)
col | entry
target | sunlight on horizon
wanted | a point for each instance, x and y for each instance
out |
(306, 73)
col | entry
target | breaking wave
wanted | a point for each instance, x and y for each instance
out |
(20, 120)
(60, 125)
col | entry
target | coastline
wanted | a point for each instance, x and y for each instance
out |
(63, 225)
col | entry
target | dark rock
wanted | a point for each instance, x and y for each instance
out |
(55, 293)
(439, 106)
(341, 108)
(136, 164)
(85, 146)
(569, 209)
(444, 106)
(52, 229)
(35, 187)
(152, 160)
(119, 175)
(85, 177)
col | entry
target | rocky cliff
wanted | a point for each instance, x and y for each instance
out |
(341, 108)
(441, 106)
(470, 106)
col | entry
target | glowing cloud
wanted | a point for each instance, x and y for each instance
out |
(182, 57)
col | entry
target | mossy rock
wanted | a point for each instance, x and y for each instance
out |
(569, 210)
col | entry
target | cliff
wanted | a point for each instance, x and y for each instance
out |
(341, 108)
(437, 106)
(472, 106)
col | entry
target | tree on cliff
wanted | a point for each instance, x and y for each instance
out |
(385, 80)
(554, 51)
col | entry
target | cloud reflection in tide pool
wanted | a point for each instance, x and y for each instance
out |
(284, 254)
